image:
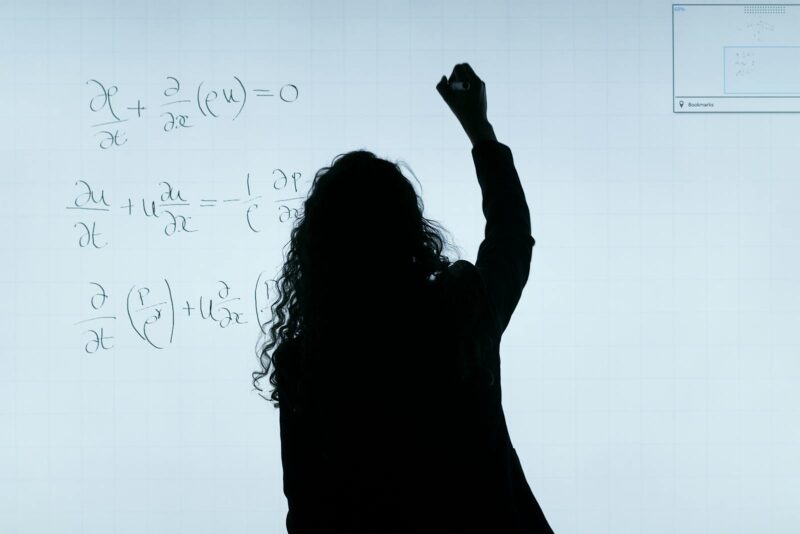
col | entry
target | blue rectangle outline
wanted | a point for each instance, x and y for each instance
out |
(725, 74)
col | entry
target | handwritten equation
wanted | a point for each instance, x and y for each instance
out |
(181, 107)
(150, 312)
(744, 61)
(176, 211)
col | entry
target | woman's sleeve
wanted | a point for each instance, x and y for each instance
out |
(504, 256)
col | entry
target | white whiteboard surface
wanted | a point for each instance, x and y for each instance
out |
(650, 370)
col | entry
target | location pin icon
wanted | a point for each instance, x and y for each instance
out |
(680, 102)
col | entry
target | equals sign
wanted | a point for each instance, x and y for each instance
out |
(262, 92)
(206, 203)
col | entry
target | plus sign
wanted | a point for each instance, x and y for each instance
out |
(138, 107)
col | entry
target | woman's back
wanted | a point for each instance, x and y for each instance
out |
(387, 443)
(401, 442)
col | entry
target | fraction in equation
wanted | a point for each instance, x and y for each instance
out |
(175, 210)
(177, 110)
(154, 312)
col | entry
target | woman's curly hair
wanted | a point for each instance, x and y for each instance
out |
(357, 201)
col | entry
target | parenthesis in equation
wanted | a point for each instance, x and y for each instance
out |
(244, 92)
(198, 99)
(255, 302)
(172, 307)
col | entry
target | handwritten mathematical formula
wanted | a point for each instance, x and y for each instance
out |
(150, 312)
(176, 211)
(180, 107)
(744, 62)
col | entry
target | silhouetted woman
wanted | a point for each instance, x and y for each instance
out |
(386, 366)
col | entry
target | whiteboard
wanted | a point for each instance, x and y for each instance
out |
(649, 371)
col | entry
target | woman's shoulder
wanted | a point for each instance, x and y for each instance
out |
(466, 292)
(459, 278)
(462, 268)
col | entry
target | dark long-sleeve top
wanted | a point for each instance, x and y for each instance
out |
(404, 446)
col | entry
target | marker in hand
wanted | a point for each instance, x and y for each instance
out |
(459, 86)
